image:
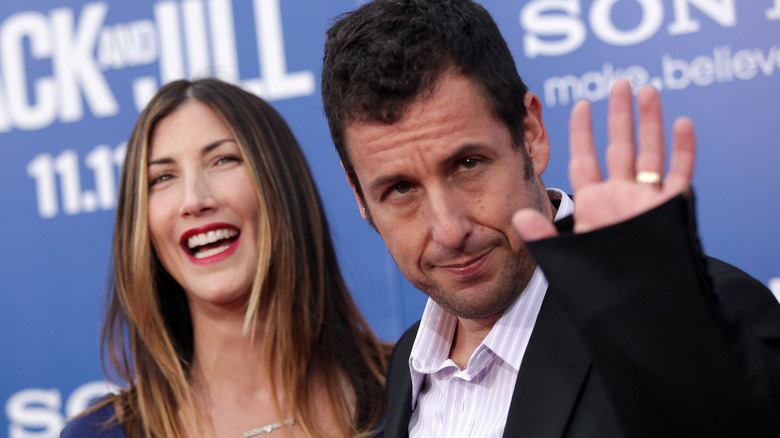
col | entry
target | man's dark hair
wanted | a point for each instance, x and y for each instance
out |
(381, 57)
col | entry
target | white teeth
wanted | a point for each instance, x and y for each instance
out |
(211, 252)
(210, 237)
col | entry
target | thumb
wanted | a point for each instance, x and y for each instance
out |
(533, 225)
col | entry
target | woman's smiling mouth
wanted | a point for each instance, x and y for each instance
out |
(202, 245)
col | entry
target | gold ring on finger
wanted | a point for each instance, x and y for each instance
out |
(648, 177)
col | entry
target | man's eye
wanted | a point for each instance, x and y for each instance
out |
(402, 188)
(397, 189)
(469, 163)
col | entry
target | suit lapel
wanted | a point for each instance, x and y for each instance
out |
(399, 387)
(553, 370)
(397, 419)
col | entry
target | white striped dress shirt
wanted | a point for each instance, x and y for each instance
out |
(450, 402)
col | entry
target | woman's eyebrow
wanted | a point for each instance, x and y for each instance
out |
(205, 150)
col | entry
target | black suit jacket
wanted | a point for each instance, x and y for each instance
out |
(638, 335)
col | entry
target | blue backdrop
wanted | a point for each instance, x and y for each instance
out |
(74, 74)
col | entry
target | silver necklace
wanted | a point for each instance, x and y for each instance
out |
(268, 428)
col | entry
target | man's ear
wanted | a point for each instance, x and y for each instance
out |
(535, 134)
(361, 207)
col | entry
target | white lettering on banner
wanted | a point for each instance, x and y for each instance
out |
(773, 13)
(555, 27)
(605, 30)
(676, 74)
(721, 11)
(75, 72)
(536, 21)
(127, 45)
(721, 67)
(82, 396)
(37, 413)
(166, 14)
(81, 49)
(65, 168)
(275, 83)
(194, 20)
(223, 36)
(189, 38)
(42, 111)
(36, 409)
(593, 85)
(75, 66)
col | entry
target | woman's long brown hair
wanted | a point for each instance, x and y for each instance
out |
(315, 337)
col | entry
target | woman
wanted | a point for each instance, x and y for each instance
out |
(228, 313)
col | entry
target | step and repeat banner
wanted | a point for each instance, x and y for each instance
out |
(75, 74)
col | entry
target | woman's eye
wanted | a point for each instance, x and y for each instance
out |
(224, 159)
(160, 179)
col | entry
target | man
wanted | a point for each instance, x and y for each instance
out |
(637, 333)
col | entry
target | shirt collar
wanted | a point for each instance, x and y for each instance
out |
(566, 206)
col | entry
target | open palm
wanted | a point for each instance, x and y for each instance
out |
(602, 202)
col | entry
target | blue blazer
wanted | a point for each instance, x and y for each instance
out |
(92, 425)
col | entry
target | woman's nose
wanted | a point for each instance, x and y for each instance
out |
(197, 197)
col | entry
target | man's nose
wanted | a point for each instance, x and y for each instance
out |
(450, 222)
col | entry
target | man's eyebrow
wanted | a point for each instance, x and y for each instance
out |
(457, 154)
(385, 180)
(205, 150)
(466, 149)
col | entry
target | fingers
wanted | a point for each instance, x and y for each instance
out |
(533, 225)
(625, 162)
(583, 161)
(620, 129)
(680, 175)
(634, 184)
(650, 156)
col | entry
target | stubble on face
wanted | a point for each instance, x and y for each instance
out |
(503, 293)
(510, 282)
